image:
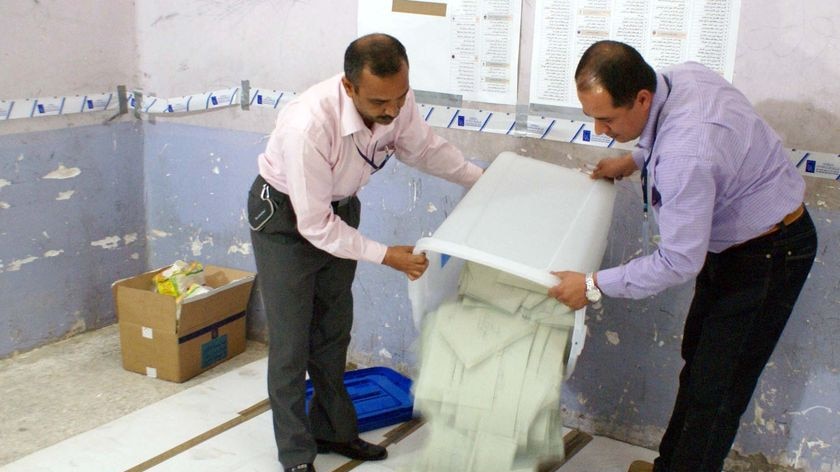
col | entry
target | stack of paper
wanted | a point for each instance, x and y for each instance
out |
(490, 374)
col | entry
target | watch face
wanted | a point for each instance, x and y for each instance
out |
(593, 295)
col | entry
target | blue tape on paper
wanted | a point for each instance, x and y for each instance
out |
(812, 164)
(452, 120)
(548, 129)
(487, 120)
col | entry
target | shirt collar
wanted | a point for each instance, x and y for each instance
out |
(351, 120)
(663, 89)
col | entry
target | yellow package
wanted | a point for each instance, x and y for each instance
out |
(176, 279)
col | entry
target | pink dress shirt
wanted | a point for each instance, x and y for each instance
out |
(315, 152)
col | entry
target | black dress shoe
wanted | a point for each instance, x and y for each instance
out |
(356, 449)
(300, 468)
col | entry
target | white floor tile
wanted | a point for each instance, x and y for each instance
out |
(246, 447)
(148, 432)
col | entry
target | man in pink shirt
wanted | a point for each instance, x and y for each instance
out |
(304, 216)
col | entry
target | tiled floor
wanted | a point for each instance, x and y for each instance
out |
(222, 425)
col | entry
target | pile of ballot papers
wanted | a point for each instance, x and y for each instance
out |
(491, 368)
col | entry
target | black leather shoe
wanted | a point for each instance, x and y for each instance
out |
(300, 468)
(356, 449)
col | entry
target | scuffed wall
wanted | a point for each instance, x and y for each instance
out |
(196, 185)
(135, 195)
(626, 377)
(71, 222)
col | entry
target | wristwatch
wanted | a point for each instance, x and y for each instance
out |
(593, 294)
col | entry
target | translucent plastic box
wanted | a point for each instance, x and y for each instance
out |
(525, 217)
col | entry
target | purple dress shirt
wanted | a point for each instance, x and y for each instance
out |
(718, 176)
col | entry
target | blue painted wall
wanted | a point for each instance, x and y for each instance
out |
(144, 197)
(197, 181)
(71, 222)
(196, 185)
(626, 378)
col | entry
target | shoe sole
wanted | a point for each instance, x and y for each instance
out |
(327, 449)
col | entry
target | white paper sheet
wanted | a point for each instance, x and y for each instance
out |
(666, 32)
(473, 51)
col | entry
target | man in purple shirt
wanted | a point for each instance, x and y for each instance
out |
(730, 213)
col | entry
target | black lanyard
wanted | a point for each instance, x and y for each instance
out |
(644, 176)
(370, 160)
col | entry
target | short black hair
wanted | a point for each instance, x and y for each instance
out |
(617, 67)
(382, 54)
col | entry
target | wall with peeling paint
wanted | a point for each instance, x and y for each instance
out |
(626, 378)
(71, 207)
(196, 183)
(131, 196)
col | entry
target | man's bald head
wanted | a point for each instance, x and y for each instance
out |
(381, 54)
(616, 67)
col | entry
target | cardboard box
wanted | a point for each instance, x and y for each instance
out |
(171, 341)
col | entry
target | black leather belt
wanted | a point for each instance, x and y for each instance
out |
(343, 202)
(260, 180)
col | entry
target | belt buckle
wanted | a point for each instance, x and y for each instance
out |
(791, 217)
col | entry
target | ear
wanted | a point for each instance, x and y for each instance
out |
(348, 86)
(644, 98)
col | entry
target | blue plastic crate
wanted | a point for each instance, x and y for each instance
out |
(382, 396)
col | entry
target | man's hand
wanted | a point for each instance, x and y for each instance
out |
(403, 259)
(615, 167)
(571, 290)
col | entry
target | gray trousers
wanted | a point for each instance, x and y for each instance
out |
(307, 298)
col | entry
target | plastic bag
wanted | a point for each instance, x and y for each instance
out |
(177, 279)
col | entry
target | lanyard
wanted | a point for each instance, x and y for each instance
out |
(645, 220)
(645, 199)
(370, 160)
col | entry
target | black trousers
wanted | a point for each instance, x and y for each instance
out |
(742, 301)
(308, 302)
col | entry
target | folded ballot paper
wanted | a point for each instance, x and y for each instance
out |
(494, 347)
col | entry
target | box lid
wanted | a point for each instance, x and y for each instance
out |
(381, 396)
(524, 217)
(528, 218)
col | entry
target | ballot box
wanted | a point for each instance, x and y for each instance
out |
(494, 348)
